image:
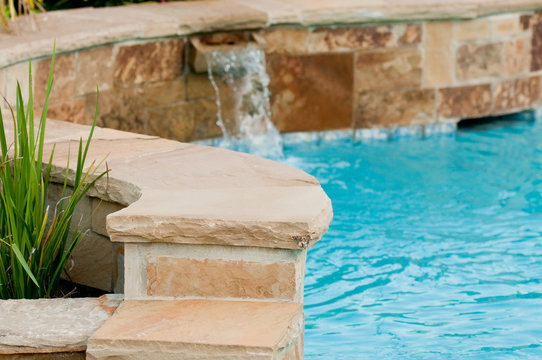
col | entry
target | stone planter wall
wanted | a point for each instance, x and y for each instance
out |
(350, 76)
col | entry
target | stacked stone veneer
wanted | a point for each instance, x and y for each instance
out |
(322, 77)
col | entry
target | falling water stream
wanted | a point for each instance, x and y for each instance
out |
(243, 70)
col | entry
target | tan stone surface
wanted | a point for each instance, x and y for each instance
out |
(164, 92)
(71, 110)
(92, 262)
(197, 329)
(395, 108)
(185, 277)
(284, 40)
(388, 69)
(64, 75)
(50, 325)
(465, 101)
(475, 61)
(472, 29)
(150, 61)
(323, 39)
(411, 35)
(506, 24)
(70, 355)
(514, 94)
(305, 91)
(439, 59)
(83, 28)
(14, 74)
(536, 48)
(517, 56)
(203, 195)
(100, 210)
(94, 69)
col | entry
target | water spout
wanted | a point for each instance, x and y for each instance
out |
(243, 70)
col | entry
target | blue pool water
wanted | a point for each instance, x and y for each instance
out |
(435, 249)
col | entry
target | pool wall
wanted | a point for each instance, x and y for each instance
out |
(353, 66)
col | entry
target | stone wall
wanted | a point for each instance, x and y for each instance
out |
(96, 262)
(351, 76)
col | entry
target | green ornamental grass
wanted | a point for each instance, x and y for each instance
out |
(36, 240)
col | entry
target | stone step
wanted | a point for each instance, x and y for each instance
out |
(200, 329)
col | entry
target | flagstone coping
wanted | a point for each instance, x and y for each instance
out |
(193, 194)
(52, 325)
(87, 27)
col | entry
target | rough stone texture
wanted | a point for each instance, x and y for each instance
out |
(476, 61)
(505, 24)
(92, 262)
(151, 61)
(71, 110)
(350, 38)
(198, 329)
(284, 40)
(185, 277)
(439, 58)
(465, 101)
(517, 56)
(306, 91)
(52, 325)
(164, 92)
(536, 48)
(13, 74)
(395, 108)
(388, 69)
(472, 29)
(100, 210)
(522, 93)
(70, 355)
(411, 35)
(64, 75)
(94, 69)
(173, 121)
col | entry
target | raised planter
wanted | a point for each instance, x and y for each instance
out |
(213, 240)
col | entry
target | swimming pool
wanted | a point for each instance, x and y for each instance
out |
(435, 250)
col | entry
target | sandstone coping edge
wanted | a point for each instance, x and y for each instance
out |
(105, 26)
(194, 194)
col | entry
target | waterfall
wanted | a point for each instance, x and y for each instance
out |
(243, 71)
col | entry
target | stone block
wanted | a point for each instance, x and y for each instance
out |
(82, 214)
(536, 48)
(475, 61)
(409, 34)
(505, 25)
(13, 74)
(525, 21)
(472, 29)
(94, 69)
(312, 92)
(438, 60)
(92, 262)
(51, 327)
(345, 38)
(149, 61)
(100, 210)
(210, 271)
(284, 40)
(464, 101)
(118, 269)
(199, 86)
(517, 56)
(64, 75)
(73, 110)
(217, 278)
(119, 108)
(164, 92)
(514, 95)
(395, 108)
(175, 121)
(200, 329)
(388, 70)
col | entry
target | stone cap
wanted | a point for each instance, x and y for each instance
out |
(52, 325)
(186, 193)
(82, 28)
(198, 329)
